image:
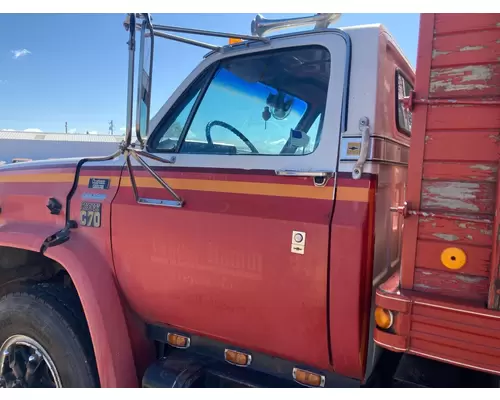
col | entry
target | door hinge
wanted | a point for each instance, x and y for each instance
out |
(412, 100)
(405, 211)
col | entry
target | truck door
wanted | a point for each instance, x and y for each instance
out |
(244, 260)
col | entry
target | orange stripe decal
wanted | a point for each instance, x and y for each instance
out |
(255, 188)
(348, 193)
(344, 193)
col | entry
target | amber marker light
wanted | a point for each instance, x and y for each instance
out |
(179, 341)
(383, 318)
(307, 378)
(234, 40)
(237, 358)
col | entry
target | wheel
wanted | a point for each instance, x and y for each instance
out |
(44, 340)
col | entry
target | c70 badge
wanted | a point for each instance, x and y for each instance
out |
(90, 214)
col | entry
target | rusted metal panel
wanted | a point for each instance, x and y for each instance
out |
(469, 197)
(463, 117)
(451, 284)
(455, 232)
(460, 171)
(429, 257)
(458, 23)
(465, 146)
(467, 48)
(465, 81)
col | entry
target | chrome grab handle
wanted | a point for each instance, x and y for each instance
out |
(364, 127)
(320, 178)
(293, 172)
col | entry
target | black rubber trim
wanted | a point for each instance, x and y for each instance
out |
(262, 364)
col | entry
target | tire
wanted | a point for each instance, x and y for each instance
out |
(52, 316)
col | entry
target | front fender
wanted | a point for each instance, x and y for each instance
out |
(94, 281)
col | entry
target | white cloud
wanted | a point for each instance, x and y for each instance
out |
(123, 128)
(7, 130)
(72, 130)
(20, 53)
(36, 130)
(93, 132)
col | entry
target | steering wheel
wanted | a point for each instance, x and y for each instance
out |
(230, 128)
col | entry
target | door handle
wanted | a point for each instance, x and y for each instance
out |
(364, 127)
(320, 178)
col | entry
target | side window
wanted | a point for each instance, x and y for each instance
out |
(166, 136)
(403, 115)
(169, 140)
(270, 103)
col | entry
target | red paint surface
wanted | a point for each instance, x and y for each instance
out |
(463, 117)
(458, 23)
(452, 284)
(456, 232)
(26, 223)
(351, 252)
(458, 332)
(429, 256)
(460, 171)
(493, 292)
(415, 167)
(221, 266)
(453, 170)
(467, 146)
(466, 48)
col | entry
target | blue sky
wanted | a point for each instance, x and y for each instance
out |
(73, 67)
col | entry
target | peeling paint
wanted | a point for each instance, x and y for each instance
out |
(468, 279)
(437, 53)
(445, 236)
(473, 77)
(469, 237)
(422, 286)
(471, 48)
(486, 232)
(387, 86)
(452, 195)
(483, 167)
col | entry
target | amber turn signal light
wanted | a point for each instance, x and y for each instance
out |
(179, 341)
(383, 318)
(234, 40)
(237, 358)
(307, 378)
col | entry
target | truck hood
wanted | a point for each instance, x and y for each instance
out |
(37, 164)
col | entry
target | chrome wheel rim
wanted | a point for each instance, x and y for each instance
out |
(24, 363)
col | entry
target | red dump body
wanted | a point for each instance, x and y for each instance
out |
(446, 299)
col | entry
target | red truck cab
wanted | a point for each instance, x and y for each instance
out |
(242, 238)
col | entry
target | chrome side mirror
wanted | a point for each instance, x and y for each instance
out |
(144, 78)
